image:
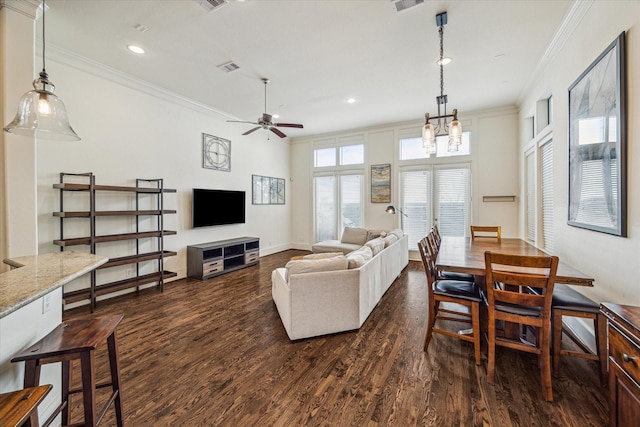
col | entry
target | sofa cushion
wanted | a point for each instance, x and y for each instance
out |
(314, 265)
(360, 257)
(398, 233)
(390, 240)
(354, 235)
(334, 246)
(372, 234)
(322, 255)
(376, 245)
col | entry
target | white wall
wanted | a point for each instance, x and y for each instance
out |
(130, 130)
(494, 167)
(611, 260)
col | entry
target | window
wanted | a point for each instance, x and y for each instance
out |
(531, 197)
(349, 155)
(416, 204)
(352, 154)
(324, 157)
(325, 210)
(546, 187)
(338, 187)
(412, 149)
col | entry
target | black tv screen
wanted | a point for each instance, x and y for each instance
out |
(217, 207)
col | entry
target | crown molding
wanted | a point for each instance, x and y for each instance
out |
(28, 8)
(65, 57)
(570, 22)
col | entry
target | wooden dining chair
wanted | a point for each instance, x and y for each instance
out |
(465, 294)
(486, 231)
(508, 299)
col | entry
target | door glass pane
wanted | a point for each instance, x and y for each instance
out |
(452, 198)
(416, 204)
(351, 200)
(325, 208)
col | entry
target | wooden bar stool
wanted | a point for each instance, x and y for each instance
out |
(78, 339)
(18, 407)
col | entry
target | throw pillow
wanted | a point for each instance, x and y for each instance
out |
(359, 257)
(372, 234)
(390, 240)
(376, 245)
(322, 255)
(354, 235)
(314, 265)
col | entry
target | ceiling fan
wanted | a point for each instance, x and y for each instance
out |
(266, 121)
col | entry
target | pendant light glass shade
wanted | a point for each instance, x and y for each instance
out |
(455, 136)
(429, 138)
(42, 114)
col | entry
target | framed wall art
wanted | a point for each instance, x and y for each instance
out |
(216, 153)
(381, 183)
(267, 190)
(598, 144)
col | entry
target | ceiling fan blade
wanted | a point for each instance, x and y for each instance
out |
(241, 121)
(277, 132)
(289, 125)
(252, 130)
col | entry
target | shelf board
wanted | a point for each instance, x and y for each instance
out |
(106, 288)
(132, 259)
(111, 238)
(85, 187)
(87, 214)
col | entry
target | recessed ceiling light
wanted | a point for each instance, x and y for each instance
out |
(445, 61)
(350, 100)
(136, 49)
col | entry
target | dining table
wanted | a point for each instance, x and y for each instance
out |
(466, 255)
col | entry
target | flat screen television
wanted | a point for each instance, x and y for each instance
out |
(217, 207)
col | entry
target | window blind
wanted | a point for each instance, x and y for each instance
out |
(416, 204)
(325, 209)
(453, 199)
(547, 196)
(351, 200)
(531, 198)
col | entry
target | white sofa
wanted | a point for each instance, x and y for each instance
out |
(326, 302)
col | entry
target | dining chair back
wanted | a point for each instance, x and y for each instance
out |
(464, 298)
(486, 231)
(508, 280)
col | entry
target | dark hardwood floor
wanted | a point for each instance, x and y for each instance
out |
(215, 353)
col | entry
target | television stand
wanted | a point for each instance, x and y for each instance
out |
(207, 260)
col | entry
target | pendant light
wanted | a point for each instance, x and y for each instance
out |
(442, 125)
(41, 114)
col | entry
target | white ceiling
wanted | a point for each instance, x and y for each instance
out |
(317, 53)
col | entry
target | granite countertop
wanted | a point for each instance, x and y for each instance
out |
(37, 275)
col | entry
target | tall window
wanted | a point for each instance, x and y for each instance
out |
(416, 204)
(546, 187)
(531, 197)
(338, 186)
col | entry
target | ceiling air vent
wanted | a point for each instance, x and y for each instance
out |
(211, 4)
(228, 67)
(401, 5)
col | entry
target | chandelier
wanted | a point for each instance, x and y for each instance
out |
(443, 123)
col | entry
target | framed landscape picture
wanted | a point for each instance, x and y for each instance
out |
(381, 183)
(598, 144)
